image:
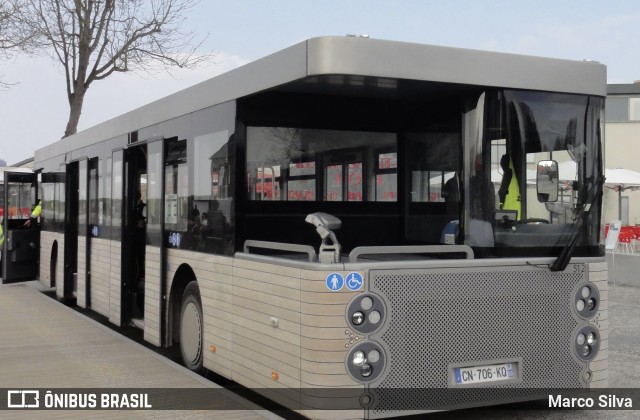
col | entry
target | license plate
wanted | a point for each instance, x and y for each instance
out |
(481, 374)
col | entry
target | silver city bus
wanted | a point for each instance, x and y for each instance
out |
(416, 223)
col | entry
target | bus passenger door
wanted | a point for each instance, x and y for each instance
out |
(134, 235)
(71, 234)
(22, 243)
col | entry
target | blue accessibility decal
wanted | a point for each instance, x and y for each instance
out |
(335, 282)
(354, 281)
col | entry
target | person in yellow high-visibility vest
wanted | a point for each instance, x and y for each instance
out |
(1, 235)
(35, 213)
(511, 199)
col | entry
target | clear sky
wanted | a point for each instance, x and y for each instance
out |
(34, 112)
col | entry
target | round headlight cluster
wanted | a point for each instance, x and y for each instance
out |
(366, 361)
(586, 300)
(365, 313)
(587, 342)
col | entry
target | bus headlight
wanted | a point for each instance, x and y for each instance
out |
(374, 356)
(586, 300)
(357, 318)
(366, 313)
(374, 317)
(366, 303)
(586, 292)
(366, 361)
(586, 343)
(358, 358)
(366, 370)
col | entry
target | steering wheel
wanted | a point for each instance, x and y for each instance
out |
(533, 220)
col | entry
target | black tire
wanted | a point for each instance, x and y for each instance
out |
(191, 347)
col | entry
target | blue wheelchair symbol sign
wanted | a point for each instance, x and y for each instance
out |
(354, 281)
(335, 282)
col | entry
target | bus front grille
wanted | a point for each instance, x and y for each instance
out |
(465, 315)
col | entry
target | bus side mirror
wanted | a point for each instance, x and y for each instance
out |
(547, 182)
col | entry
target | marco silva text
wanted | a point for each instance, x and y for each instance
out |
(601, 401)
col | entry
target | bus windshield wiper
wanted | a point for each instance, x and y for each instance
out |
(576, 233)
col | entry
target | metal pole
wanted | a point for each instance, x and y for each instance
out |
(620, 203)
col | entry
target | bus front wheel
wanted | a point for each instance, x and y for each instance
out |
(191, 328)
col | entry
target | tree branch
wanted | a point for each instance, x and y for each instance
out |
(92, 39)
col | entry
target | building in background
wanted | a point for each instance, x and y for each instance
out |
(622, 132)
(27, 163)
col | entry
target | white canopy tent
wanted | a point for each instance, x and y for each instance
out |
(620, 180)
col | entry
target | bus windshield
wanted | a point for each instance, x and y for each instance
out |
(521, 143)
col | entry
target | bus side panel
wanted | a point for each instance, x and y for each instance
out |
(115, 282)
(324, 319)
(152, 296)
(266, 317)
(598, 275)
(100, 275)
(326, 340)
(81, 291)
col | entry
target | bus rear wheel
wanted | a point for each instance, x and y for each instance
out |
(191, 328)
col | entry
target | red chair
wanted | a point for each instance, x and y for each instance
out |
(635, 237)
(624, 240)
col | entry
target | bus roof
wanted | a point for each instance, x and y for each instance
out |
(391, 60)
(13, 169)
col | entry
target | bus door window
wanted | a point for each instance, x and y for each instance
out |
(95, 211)
(19, 203)
(48, 197)
(140, 223)
(178, 217)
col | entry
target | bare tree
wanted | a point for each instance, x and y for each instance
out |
(92, 39)
(13, 36)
